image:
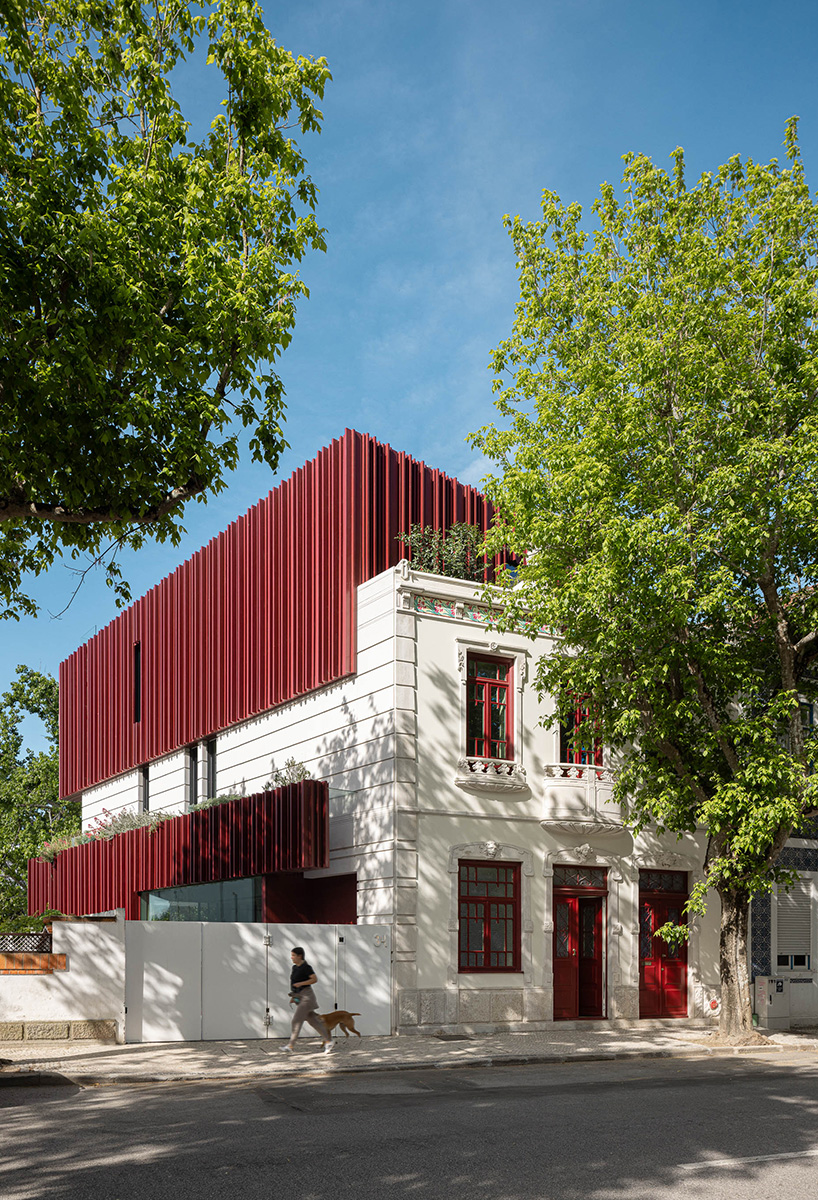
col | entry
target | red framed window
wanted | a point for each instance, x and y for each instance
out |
(576, 744)
(489, 924)
(488, 708)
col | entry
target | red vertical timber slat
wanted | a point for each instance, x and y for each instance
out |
(230, 633)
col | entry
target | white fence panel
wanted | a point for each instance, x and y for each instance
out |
(234, 981)
(163, 981)
(192, 980)
(318, 942)
(364, 975)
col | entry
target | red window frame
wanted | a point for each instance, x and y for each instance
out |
(485, 695)
(581, 756)
(489, 908)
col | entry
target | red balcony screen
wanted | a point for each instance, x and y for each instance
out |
(284, 830)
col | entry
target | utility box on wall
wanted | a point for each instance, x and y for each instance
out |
(772, 1002)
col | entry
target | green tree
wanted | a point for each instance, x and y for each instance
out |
(658, 467)
(147, 279)
(30, 809)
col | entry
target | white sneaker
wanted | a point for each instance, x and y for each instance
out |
(329, 1047)
(288, 1049)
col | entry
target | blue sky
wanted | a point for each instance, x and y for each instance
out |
(441, 118)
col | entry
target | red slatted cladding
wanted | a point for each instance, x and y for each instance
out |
(262, 614)
(284, 830)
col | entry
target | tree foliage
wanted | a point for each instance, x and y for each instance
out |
(31, 813)
(147, 279)
(658, 467)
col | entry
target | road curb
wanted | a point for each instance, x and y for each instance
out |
(34, 1079)
(24, 1078)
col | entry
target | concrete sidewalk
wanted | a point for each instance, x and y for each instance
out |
(97, 1063)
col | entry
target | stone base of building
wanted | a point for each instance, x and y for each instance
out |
(518, 1010)
(57, 1031)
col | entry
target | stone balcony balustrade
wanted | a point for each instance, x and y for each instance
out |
(488, 775)
(579, 799)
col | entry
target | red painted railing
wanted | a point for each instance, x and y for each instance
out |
(262, 614)
(283, 830)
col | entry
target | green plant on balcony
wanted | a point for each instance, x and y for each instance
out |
(456, 553)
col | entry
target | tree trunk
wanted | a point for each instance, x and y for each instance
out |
(736, 1010)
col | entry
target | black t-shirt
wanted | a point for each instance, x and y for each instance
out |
(299, 973)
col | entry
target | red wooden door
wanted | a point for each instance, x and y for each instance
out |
(590, 957)
(566, 978)
(662, 968)
(577, 957)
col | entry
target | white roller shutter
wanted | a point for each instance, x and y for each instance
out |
(795, 919)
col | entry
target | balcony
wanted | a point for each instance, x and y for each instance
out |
(488, 775)
(579, 799)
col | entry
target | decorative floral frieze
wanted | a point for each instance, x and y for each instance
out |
(479, 615)
(450, 608)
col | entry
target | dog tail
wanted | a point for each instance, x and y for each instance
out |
(355, 1014)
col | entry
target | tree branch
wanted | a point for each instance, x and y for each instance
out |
(809, 639)
(18, 509)
(706, 701)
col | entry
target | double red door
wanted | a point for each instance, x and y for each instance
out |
(662, 968)
(578, 956)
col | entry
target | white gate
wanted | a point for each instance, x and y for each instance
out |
(207, 980)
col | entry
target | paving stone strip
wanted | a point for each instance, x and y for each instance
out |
(101, 1063)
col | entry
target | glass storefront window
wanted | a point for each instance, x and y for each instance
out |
(227, 900)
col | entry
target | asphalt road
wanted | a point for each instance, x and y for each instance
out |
(743, 1128)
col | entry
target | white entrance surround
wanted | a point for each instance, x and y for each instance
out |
(699, 993)
(617, 1000)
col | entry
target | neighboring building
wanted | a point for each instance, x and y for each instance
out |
(491, 846)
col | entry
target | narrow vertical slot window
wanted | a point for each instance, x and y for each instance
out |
(192, 776)
(210, 750)
(144, 790)
(137, 682)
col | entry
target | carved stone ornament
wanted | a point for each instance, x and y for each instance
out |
(491, 849)
(584, 853)
(589, 828)
(666, 860)
(483, 775)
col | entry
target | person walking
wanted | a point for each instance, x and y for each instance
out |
(302, 977)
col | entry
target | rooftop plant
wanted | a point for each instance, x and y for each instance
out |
(456, 553)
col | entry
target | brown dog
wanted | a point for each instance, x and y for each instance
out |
(340, 1017)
